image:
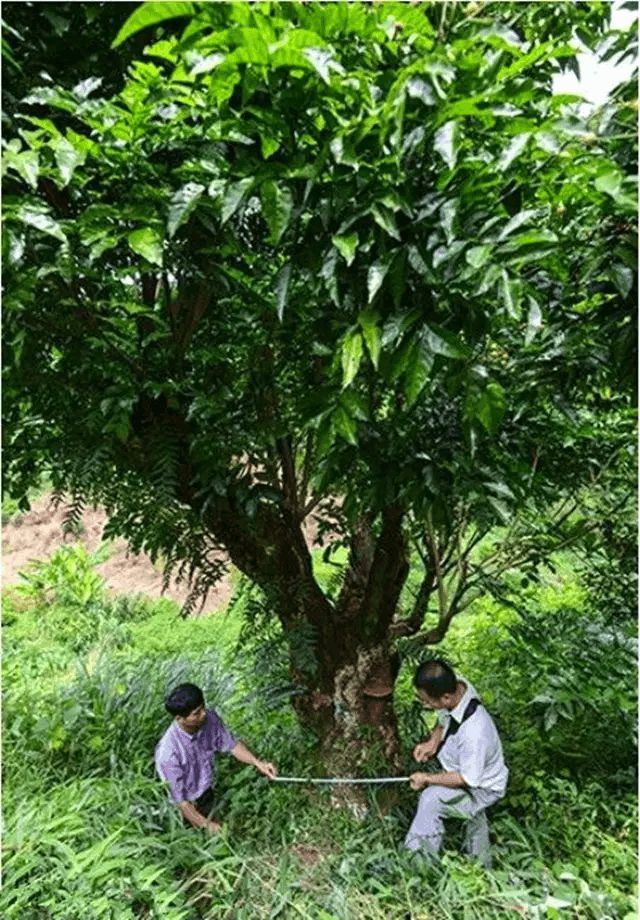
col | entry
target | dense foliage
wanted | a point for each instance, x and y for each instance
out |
(89, 834)
(354, 260)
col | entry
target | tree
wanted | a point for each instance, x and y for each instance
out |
(345, 260)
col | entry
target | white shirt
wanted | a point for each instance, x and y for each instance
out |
(475, 751)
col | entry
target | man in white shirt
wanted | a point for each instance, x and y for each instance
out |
(468, 747)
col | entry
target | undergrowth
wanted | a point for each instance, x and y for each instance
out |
(90, 834)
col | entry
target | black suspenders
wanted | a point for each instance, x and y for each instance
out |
(453, 725)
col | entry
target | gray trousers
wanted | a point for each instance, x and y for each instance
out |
(438, 802)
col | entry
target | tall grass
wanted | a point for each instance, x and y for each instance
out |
(90, 833)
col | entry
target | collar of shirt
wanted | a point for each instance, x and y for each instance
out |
(187, 735)
(458, 712)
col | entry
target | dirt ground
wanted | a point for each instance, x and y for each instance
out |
(38, 533)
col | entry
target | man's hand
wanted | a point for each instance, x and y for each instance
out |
(429, 748)
(212, 827)
(418, 781)
(426, 749)
(267, 769)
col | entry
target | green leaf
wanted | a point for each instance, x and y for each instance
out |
(622, 277)
(345, 426)
(517, 220)
(346, 246)
(531, 238)
(375, 277)
(609, 183)
(84, 88)
(368, 321)
(443, 342)
(322, 62)
(534, 321)
(147, 242)
(234, 195)
(513, 151)
(26, 164)
(328, 274)
(207, 64)
(268, 145)
(502, 509)
(35, 217)
(351, 356)
(282, 289)
(489, 407)
(445, 143)
(507, 290)
(182, 204)
(150, 14)
(277, 205)
(68, 158)
(418, 372)
(478, 256)
(447, 215)
(386, 220)
(417, 88)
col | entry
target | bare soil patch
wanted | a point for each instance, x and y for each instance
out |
(38, 533)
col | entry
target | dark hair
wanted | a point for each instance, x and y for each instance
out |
(183, 699)
(436, 678)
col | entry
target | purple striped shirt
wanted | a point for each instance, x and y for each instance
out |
(185, 761)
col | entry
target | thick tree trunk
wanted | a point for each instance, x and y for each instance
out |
(347, 697)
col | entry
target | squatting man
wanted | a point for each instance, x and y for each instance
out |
(186, 752)
(467, 744)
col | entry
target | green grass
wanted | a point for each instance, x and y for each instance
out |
(89, 832)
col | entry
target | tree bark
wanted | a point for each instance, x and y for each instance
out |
(347, 700)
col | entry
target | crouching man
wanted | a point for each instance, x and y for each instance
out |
(186, 752)
(474, 775)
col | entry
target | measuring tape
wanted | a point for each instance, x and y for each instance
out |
(343, 781)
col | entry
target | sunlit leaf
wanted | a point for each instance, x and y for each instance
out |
(150, 14)
(146, 242)
(346, 245)
(351, 356)
(418, 88)
(478, 256)
(68, 158)
(513, 151)
(368, 321)
(182, 204)
(445, 143)
(277, 205)
(233, 197)
(282, 289)
(36, 217)
(443, 342)
(517, 220)
(622, 277)
(534, 321)
(375, 277)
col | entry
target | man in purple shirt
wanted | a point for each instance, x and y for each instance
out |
(185, 754)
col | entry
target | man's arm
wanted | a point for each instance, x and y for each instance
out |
(242, 753)
(449, 778)
(428, 748)
(193, 816)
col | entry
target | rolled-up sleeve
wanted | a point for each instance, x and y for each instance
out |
(170, 770)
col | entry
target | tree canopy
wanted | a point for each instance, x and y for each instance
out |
(349, 260)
